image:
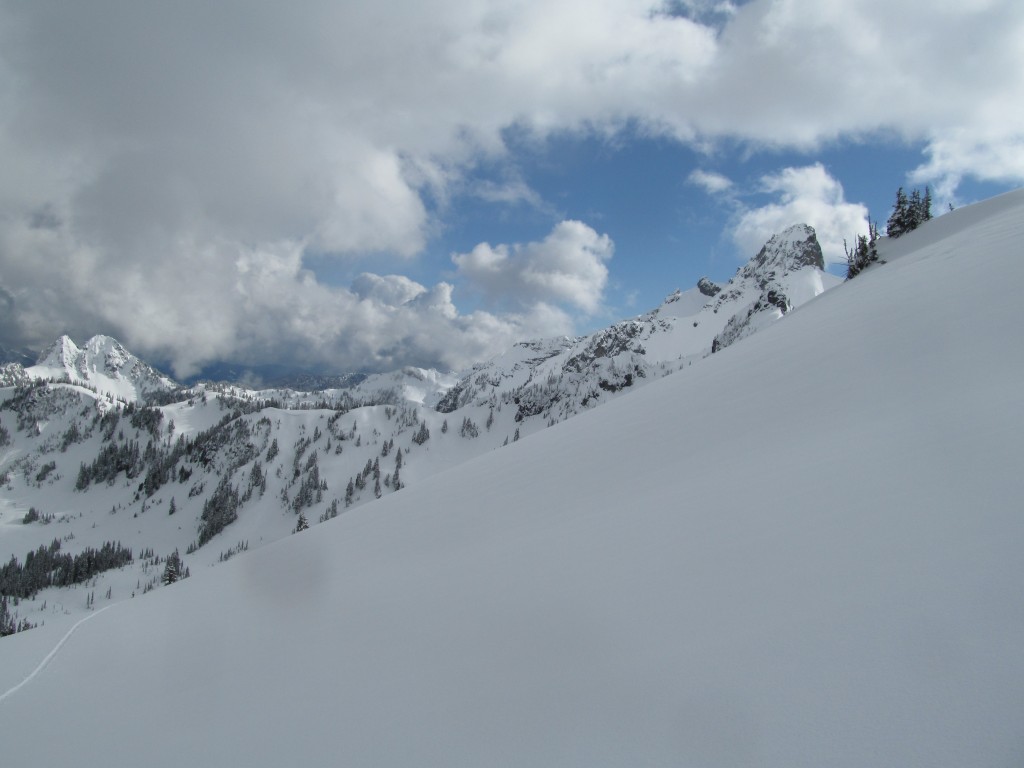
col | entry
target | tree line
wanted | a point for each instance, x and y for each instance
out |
(47, 566)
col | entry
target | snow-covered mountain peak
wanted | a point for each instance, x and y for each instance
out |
(61, 354)
(790, 250)
(103, 364)
(113, 355)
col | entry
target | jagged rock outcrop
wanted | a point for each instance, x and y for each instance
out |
(768, 276)
(708, 288)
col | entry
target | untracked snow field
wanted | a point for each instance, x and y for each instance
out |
(805, 550)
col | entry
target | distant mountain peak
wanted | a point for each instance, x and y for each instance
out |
(102, 363)
(786, 272)
(60, 354)
(792, 249)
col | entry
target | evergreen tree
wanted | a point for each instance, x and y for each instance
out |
(899, 219)
(914, 213)
(863, 254)
(302, 523)
(7, 626)
(172, 568)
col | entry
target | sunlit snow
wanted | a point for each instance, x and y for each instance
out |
(803, 551)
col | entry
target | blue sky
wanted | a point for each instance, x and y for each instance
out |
(667, 229)
(360, 186)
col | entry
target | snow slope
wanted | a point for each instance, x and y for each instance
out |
(803, 552)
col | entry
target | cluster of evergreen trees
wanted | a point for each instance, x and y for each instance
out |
(422, 434)
(219, 511)
(863, 253)
(144, 418)
(909, 213)
(33, 402)
(312, 486)
(49, 567)
(230, 435)
(112, 459)
(8, 622)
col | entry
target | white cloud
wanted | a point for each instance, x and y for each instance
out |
(567, 266)
(167, 143)
(807, 195)
(711, 182)
(995, 154)
(509, 192)
(390, 290)
(196, 304)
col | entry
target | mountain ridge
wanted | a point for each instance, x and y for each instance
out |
(106, 447)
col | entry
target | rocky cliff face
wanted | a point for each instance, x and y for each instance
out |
(785, 273)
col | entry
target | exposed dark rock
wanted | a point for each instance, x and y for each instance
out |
(708, 288)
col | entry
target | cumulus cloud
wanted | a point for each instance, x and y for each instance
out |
(996, 154)
(567, 266)
(807, 195)
(711, 182)
(391, 290)
(166, 164)
(255, 305)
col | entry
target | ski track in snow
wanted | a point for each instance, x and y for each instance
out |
(49, 657)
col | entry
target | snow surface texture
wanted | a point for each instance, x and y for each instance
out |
(804, 551)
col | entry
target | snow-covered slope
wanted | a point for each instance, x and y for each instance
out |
(803, 552)
(103, 364)
(409, 385)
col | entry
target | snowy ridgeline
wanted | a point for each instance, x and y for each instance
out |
(803, 551)
(101, 450)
